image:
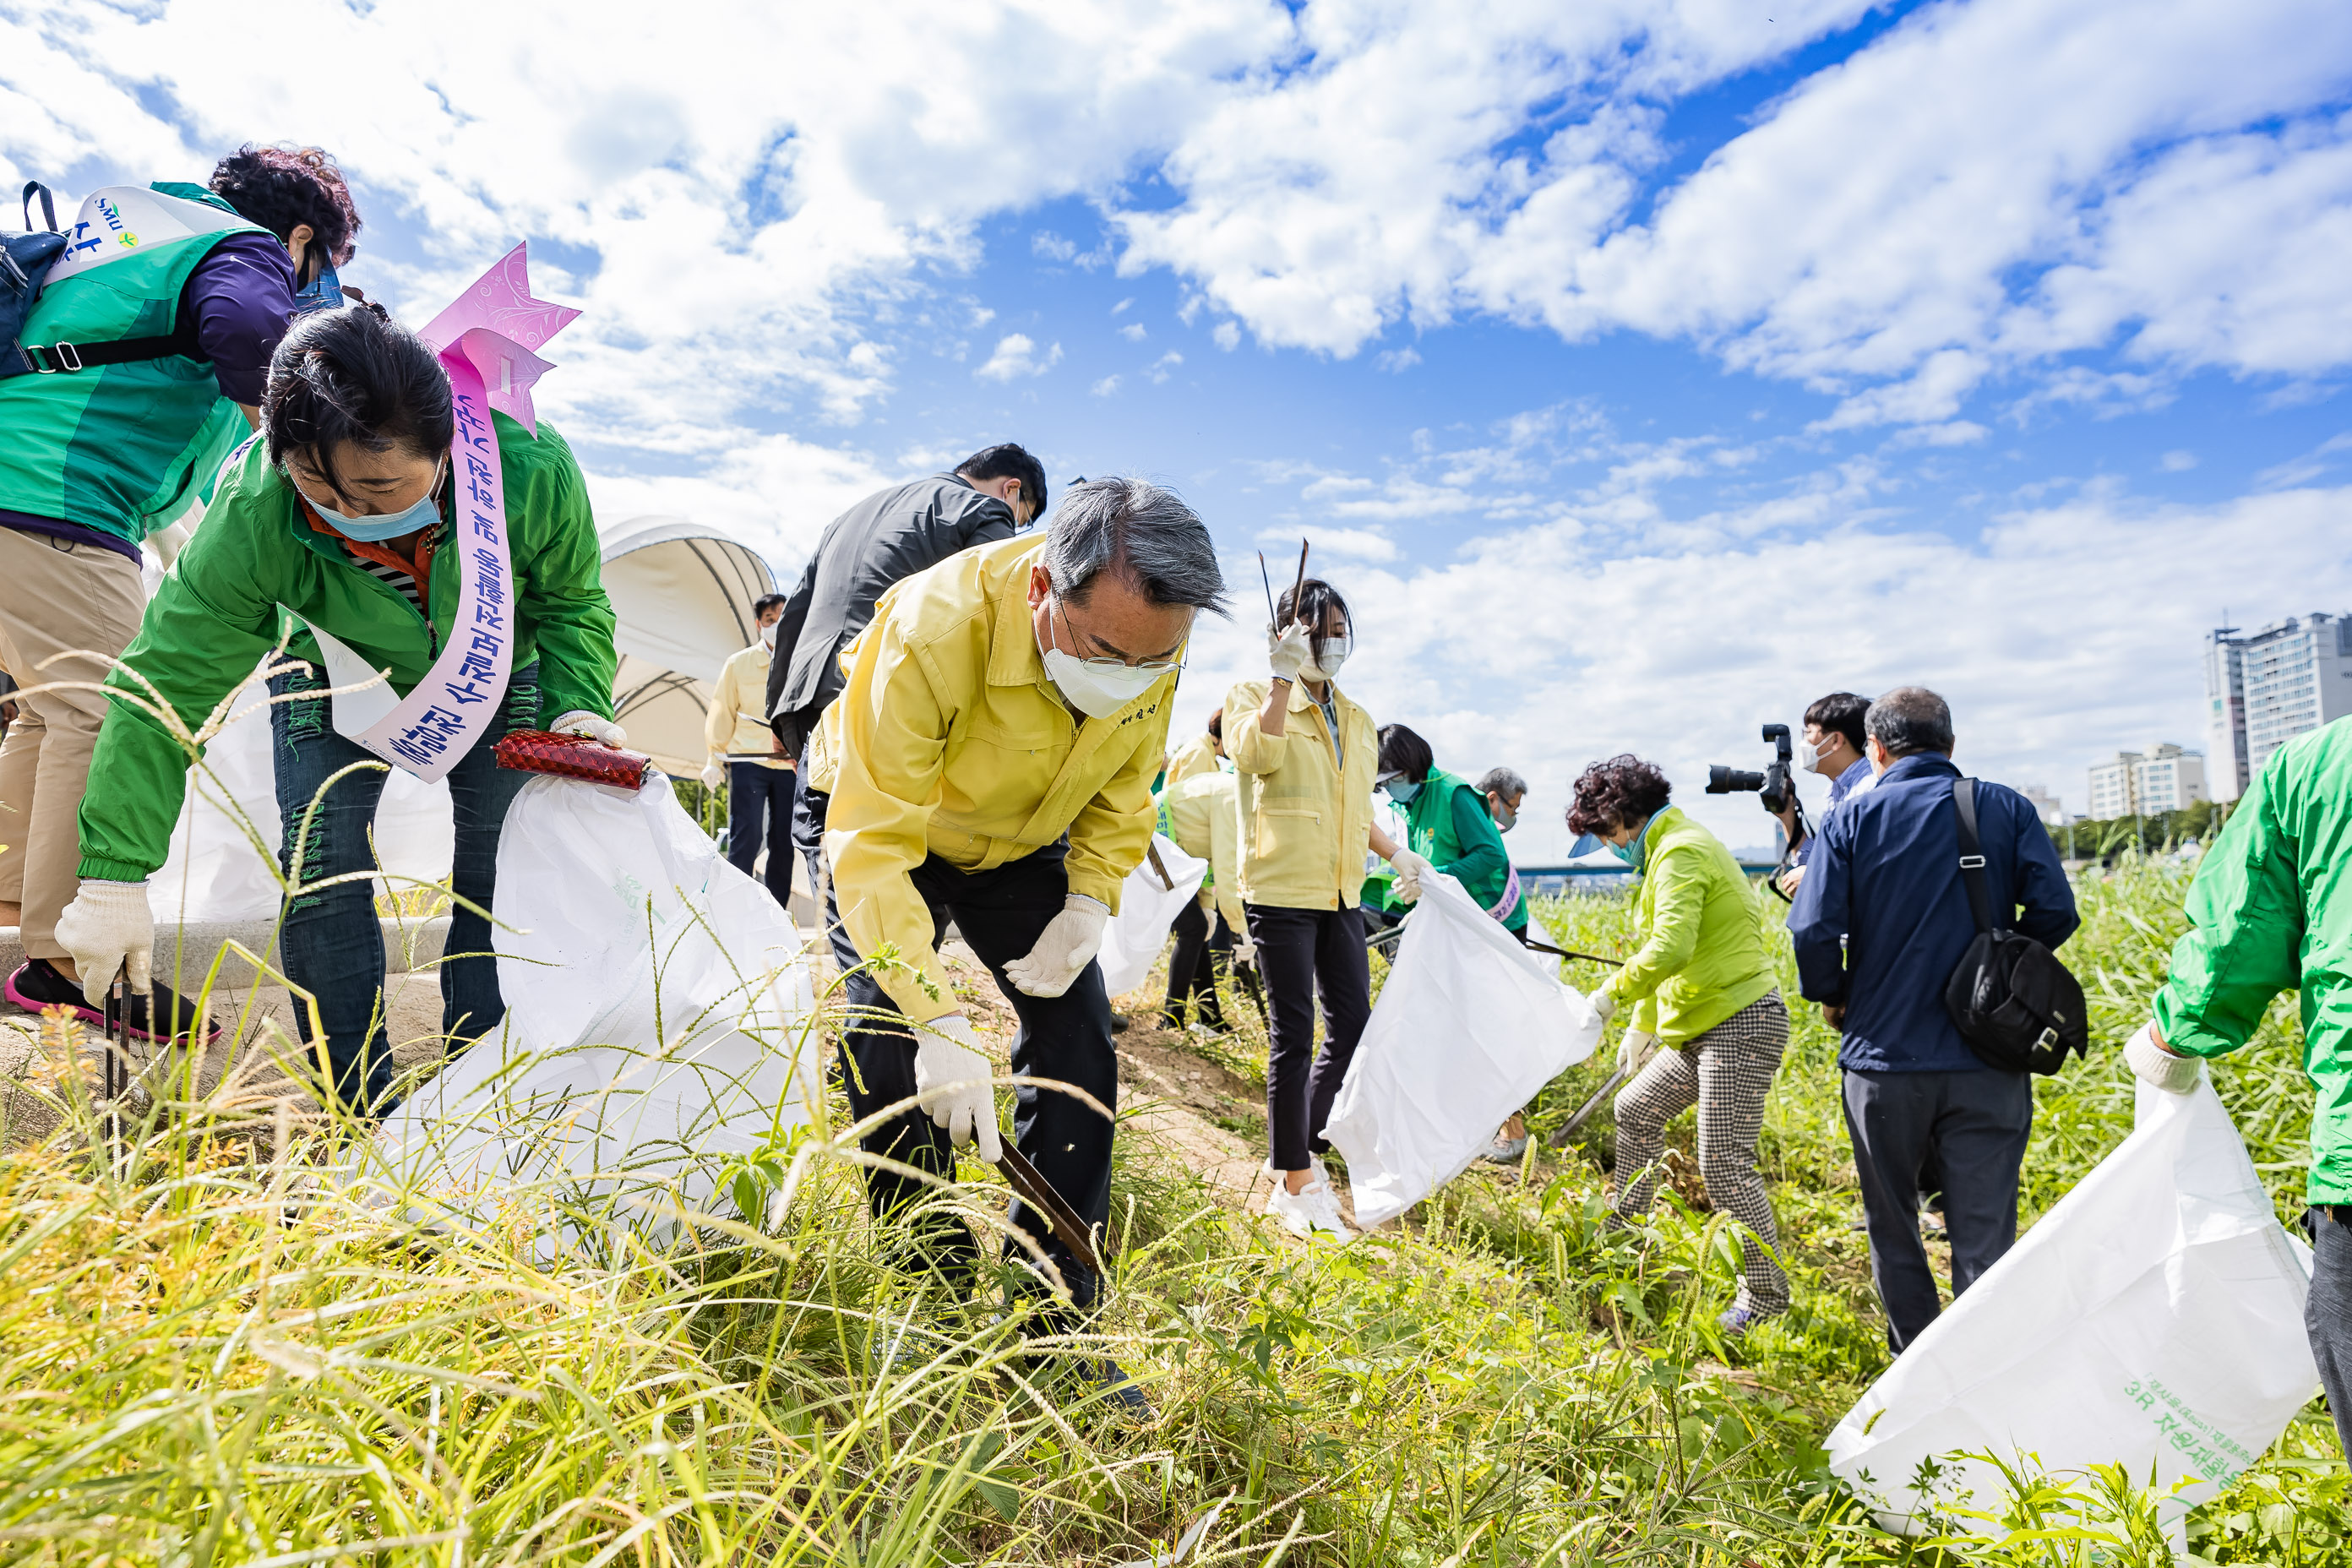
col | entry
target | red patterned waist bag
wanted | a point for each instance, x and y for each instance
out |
(571, 757)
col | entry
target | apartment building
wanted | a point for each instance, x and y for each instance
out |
(2265, 689)
(2140, 784)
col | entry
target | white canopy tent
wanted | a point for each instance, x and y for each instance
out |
(683, 595)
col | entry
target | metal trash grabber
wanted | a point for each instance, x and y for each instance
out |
(1034, 1189)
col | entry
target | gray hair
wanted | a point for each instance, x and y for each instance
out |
(1503, 781)
(1143, 533)
(1910, 720)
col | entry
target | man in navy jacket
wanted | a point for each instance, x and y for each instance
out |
(1880, 923)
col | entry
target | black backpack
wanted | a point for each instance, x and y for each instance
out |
(2016, 1005)
(25, 258)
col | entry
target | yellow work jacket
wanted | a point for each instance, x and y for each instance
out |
(733, 727)
(1193, 758)
(1306, 818)
(1205, 812)
(948, 739)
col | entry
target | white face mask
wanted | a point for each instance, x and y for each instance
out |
(1097, 688)
(768, 637)
(1809, 754)
(1330, 653)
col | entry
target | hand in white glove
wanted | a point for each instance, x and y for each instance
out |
(109, 928)
(1244, 950)
(714, 773)
(947, 1053)
(2150, 1057)
(1065, 948)
(1288, 649)
(580, 721)
(1408, 868)
(1604, 1004)
(1631, 1047)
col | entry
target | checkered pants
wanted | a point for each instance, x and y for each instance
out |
(1726, 1072)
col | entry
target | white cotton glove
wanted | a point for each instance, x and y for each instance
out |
(714, 773)
(1604, 1004)
(2150, 1057)
(948, 1053)
(580, 721)
(1244, 950)
(107, 928)
(1288, 649)
(1631, 1047)
(1408, 868)
(1065, 948)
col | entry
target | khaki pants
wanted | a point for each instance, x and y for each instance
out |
(54, 597)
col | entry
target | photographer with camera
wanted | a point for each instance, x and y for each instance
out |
(1701, 985)
(1833, 747)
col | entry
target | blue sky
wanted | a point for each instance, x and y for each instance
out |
(1641, 370)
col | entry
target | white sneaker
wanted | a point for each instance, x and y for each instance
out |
(1312, 1207)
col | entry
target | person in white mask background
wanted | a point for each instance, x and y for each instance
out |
(1832, 747)
(989, 761)
(1305, 755)
(747, 758)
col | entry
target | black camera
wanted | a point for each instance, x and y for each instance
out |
(1774, 784)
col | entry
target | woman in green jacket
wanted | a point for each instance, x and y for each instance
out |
(346, 511)
(1702, 987)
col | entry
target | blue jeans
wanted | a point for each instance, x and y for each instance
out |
(2327, 1311)
(760, 806)
(331, 941)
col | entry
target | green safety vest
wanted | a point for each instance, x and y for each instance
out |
(1430, 824)
(120, 448)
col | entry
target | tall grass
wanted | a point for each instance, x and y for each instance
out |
(221, 1344)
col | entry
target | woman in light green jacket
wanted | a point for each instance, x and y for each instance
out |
(1701, 985)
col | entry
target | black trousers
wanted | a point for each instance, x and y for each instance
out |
(2327, 1313)
(1971, 1126)
(760, 808)
(1193, 967)
(1001, 913)
(1304, 953)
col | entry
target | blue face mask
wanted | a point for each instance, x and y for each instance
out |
(1400, 792)
(377, 529)
(325, 292)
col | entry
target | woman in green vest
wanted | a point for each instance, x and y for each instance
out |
(1701, 985)
(140, 367)
(347, 514)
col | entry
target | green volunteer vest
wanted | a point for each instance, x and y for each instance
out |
(120, 449)
(1429, 822)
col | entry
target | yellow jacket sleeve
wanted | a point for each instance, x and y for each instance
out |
(1109, 835)
(718, 725)
(1253, 751)
(893, 745)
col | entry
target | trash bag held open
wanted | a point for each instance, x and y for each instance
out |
(656, 1028)
(2153, 1318)
(1147, 907)
(1468, 1027)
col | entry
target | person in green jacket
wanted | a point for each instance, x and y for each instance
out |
(2270, 910)
(140, 367)
(343, 513)
(1701, 985)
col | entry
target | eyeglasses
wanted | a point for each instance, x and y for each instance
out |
(1154, 665)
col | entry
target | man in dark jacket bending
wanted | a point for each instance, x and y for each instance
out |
(893, 533)
(1880, 921)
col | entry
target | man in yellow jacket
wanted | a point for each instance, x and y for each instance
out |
(744, 756)
(989, 761)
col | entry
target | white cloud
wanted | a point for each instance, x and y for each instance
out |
(1105, 386)
(1164, 366)
(1122, 305)
(1227, 335)
(1052, 245)
(1133, 331)
(1016, 356)
(2177, 462)
(1397, 361)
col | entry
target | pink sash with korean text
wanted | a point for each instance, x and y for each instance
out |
(485, 340)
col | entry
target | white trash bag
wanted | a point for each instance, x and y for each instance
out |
(656, 999)
(1468, 1027)
(2153, 1318)
(1147, 907)
(213, 872)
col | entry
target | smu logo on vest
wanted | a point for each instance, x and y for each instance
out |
(122, 220)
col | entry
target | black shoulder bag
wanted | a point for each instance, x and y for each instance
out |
(2015, 1004)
